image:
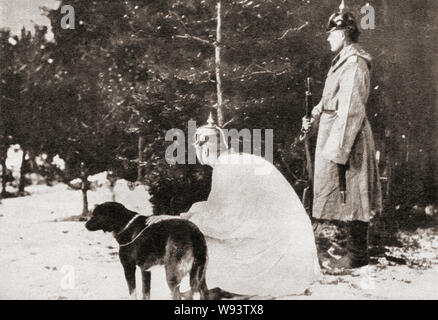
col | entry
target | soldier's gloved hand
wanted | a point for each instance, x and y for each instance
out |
(307, 124)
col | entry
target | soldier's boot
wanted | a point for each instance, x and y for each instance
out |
(357, 244)
(357, 249)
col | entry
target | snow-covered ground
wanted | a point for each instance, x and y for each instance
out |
(44, 259)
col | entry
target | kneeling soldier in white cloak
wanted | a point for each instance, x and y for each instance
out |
(260, 239)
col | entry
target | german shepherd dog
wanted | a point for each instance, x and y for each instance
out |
(177, 244)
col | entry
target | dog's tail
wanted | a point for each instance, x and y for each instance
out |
(198, 282)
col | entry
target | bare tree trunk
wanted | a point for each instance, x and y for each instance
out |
(4, 173)
(113, 193)
(434, 155)
(112, 184)
(85, 187)
(84, 199)
(84, 190)
(220, 116)
(140, 159)
(3, 155)
(22, 183)
(387, 172)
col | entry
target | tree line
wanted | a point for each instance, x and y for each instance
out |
(103, 95)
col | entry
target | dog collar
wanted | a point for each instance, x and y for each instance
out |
(135, 238)
(128, 224)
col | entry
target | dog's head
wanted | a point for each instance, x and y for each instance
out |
(108, 217)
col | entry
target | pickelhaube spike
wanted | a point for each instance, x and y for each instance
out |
(342, 7)
(210, 121)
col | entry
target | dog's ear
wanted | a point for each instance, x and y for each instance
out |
(94, 209)
(114, 209)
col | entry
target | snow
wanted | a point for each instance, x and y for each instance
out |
(14, 156)
(44, 259)
(36, 253)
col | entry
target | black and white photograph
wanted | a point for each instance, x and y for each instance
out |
(228, 150)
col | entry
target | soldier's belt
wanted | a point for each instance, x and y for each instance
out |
(330, 111)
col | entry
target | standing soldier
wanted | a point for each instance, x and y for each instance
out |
(346, 179)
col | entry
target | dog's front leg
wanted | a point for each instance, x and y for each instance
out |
(129, 268)
(146, 277)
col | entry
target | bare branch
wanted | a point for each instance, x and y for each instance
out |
(229, 122)
(180, 20)
(72, 186)
(293, 29)
(187, 36)
(112, 110)
(258, 73)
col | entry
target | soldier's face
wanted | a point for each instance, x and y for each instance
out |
(336, 39)
(206, 153)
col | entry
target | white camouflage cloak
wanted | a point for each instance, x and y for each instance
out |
(260, 239)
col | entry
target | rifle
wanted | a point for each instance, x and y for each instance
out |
(342, 182)
(308, 194)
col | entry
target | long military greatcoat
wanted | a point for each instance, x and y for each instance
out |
(345, 137)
